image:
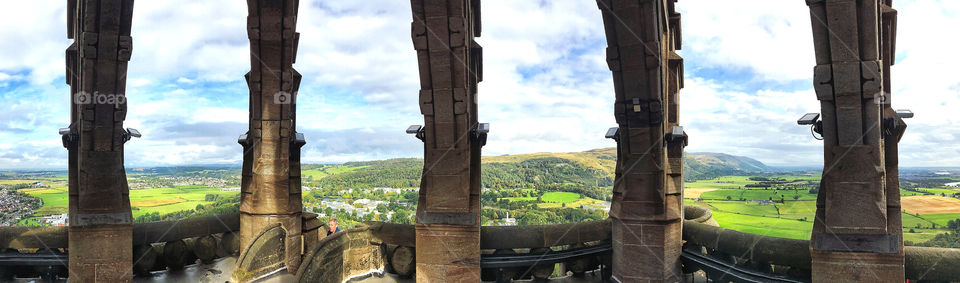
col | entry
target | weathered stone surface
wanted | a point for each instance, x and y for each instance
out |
(404, 261)
(177, 254)
(443, 34)
(857, 234)
(144, 258)
(99, 204)
(647, 207)
(265, 255)
(270, 186)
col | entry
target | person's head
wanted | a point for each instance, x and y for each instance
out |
(332, 224)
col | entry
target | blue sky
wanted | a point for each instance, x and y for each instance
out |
(547, 88)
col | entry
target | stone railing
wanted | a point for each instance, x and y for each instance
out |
(518, 252)
(157, 245)
(379, 248)
(791, 258)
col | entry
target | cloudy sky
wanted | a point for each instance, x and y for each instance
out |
(748, 78)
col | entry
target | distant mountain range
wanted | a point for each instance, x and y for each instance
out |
(588, 168)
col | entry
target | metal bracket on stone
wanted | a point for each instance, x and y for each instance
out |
(676, 136)
(812, 119)
(69, 138)
(244, 140)
(130, 133)
(613, 133)
(417, 131)
(479, 134)
(893, 125)
(298, 141)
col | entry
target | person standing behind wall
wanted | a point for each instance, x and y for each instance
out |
(332, 225)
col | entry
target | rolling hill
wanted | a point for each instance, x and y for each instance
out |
(588, 168)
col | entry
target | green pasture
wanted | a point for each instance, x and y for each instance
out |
(55, 200)
(940, 218)
(742, 207)
(911, 221)
(775, 227)
(920, 235)
(561, 197)
(938, 191)
(735, 194)
(319, 173)
(906, 193)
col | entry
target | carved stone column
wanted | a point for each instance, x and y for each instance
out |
(857, 234)
(101, 224)
(647, 206)
(270, 184)
(448, 212)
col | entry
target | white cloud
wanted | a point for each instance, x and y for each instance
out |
(546, 87)
(771, 38)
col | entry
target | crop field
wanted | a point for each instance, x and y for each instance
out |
(14, 182)
(930, 204)
(160, 200)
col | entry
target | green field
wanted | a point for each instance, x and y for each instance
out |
(941, 218)
(739, 207)
(317, 174)
(938, 191)
(160, 200)
(776, 227)
(754, 194)
(561, 197)
(906, 193)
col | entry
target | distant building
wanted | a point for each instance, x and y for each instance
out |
(507, 221)
(55, 220)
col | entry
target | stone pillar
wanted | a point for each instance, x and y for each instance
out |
(647, 206)
(857, 232)
(101, 224)
(270, 185)
(448, 212)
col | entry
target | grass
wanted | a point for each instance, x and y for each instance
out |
(939, 191)
(798, 209)
(742, 207)
(561, 197)
(160, 200)
(775, 227)
(911, 221)
(156, 202)
(906, 193)
(574, 204)
(735, 194)
(940, 218)
(317, 174)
